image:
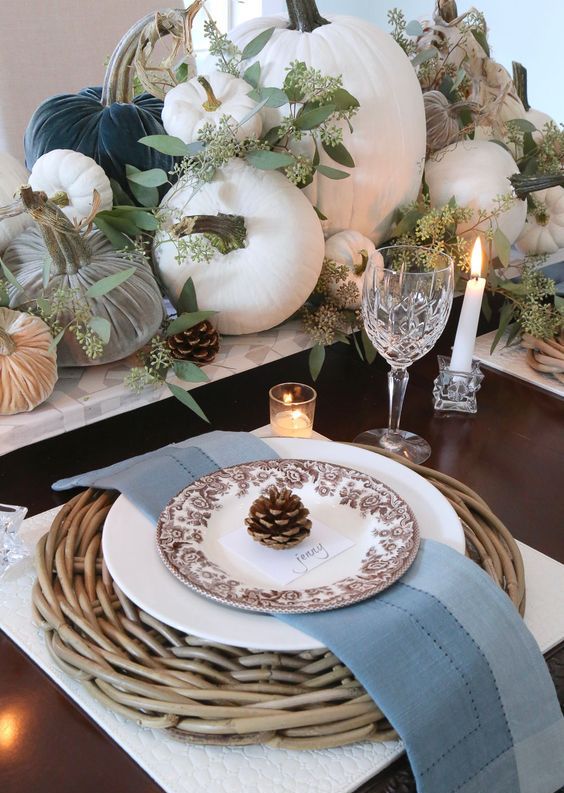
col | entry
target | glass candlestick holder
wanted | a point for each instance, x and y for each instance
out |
(292, 410)
(456, 391)
(12, 547)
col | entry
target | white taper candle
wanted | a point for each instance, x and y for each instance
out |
(465, 340)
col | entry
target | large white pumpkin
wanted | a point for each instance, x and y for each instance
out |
(263, 283)
(12, 176)
(544, 229)
(388, 142)
(476, 172)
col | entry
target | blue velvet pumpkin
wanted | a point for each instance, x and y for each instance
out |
(107, 133)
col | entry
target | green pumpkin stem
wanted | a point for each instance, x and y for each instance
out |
(212, 102)
(360, 268)
(66, 246)
(7, 344)
(226, 232)
(525, 185)
(304, 15)
(520, 83)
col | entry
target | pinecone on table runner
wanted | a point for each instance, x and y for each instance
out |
(278, 519)
(199, 344)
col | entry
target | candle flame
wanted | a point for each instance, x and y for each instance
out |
(477, 259)
(287, 398)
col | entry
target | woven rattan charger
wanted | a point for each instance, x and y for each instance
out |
(203, 692)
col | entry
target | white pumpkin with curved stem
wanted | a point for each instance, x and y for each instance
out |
(544, 229)
(352, 249)
(388, 141)
(476, 172)
(72, 177)
(12, 176)
(268, 278)
(203, 99)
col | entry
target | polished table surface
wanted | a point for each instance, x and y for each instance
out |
(511, 452)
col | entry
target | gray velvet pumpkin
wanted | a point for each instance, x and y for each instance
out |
(134, 309)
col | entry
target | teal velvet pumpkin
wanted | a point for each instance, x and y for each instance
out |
(107, 122)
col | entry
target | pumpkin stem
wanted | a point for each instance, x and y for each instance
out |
(447, 10)
(520, 83)
(360, 268)
(304, 16)
(212, 102)
(60, 198)
(7, 344)
(524, 185)
(226, 232)
(134, 49)
(66, 246)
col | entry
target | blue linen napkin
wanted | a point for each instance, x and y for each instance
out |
(443, 652)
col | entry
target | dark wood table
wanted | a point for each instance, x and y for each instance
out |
(511, 452)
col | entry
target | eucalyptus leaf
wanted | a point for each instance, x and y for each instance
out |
(187, 302)
(480, 37)
(273, 135)
(154, 177)
(269, 160)
(331, 173)
(408, 222)
(119, 222)
(105, 285)
(189, 372)
(320, 214)
(269, 97)
(187, 400)
(513, 332)
(529, 145)
(309, 119)
(120, 196)
(46, 273)
(370, 352)
(357, 347)
(118, 240)
(11, 278)
(414, 28)
(486, 308)
(147, 196)
(257, 44)
(343, 100)
(522, 124)
(252, 74)
(559, 303)
(101, 327)
(502, 246)
(43, 305)
(169, 144)
(181, 74)
(253, 111)
(187, 320)
(145, 221)
(460, 75)
(4, 296)
(340, 154)
(425, 55)
(56, 340)
(316, 360)
(502, 144)
(505, 317)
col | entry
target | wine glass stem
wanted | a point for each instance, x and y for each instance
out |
(397, 384)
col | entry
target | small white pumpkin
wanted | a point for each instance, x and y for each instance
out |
(476, 172)
(190, 105)
(69, 176)
(12, 176)
(544, 229)
(352, 249)
(268, 278)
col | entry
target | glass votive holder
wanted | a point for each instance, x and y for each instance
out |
(292, 410)
(12, 547)
(456, 391)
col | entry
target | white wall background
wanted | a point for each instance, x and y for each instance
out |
(520, 30)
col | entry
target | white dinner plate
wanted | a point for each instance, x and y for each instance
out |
(131, 555)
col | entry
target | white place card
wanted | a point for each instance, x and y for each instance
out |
(284, 566)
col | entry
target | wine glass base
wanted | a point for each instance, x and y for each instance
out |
(405, 444)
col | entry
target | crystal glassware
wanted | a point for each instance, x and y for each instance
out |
(406, 301)
(12, 548)
(456, 391)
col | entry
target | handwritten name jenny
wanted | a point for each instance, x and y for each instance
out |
(317, 553)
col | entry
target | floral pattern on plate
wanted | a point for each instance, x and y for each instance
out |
(390, 533)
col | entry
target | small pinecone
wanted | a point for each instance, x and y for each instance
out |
(278, 519)
(199, 344)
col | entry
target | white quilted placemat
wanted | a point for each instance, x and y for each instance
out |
(252, 769)
(84, 395)
(511, 360)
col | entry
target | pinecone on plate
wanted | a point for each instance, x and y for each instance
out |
(199, 344)
(278, 519)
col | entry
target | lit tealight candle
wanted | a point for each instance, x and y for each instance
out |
(465, 340)
(292, 408)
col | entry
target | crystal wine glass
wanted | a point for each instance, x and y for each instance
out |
(406, 300)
